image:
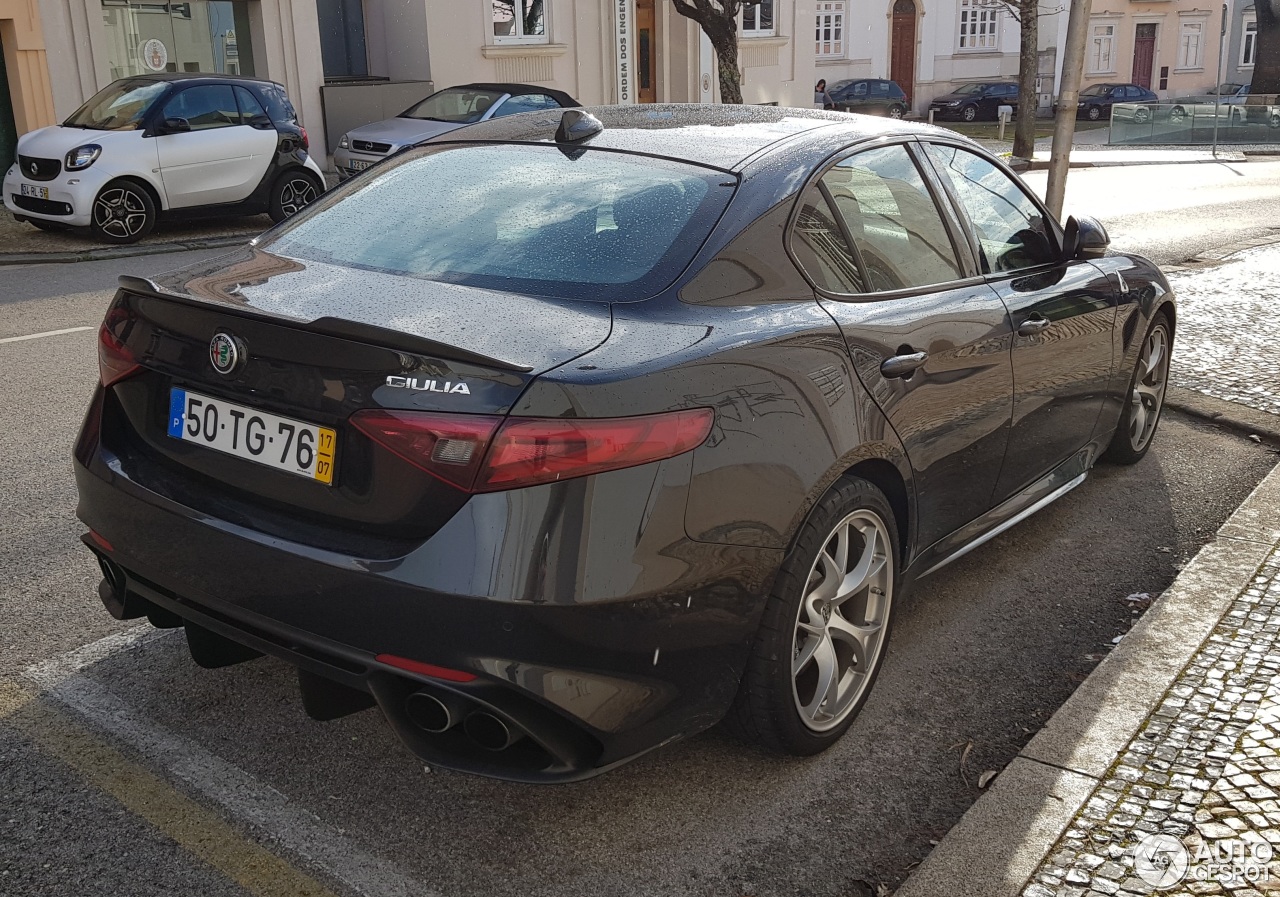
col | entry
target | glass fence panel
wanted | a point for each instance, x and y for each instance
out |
(1246, 120)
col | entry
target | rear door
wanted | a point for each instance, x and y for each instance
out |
(1062, 314)
(221, 158)
(929, 341)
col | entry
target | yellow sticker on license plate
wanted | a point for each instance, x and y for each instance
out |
(37, 192)
(294, 446)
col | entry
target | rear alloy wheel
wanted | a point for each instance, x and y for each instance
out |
(969, 113)
(825, 626)
(123, 213)
(896, 112)
(1142, 115)
(1141, 413)
(1177, 114)
(1094, 113)
(292, 192)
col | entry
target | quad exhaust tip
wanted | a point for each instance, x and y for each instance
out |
(433, 714)
(490, 732)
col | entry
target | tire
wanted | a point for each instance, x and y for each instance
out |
(779, 704)
(52, 227)
(969, 113)
(123, 212)
(896, 111)
(1142, 115)
(292, 192)
(1093, 113)
(1145, 397)
(1177, 114)
(1274, 120)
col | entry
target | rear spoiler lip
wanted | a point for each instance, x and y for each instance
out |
(340, 328)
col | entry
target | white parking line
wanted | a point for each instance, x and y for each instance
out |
(18, 339)
(260, 806)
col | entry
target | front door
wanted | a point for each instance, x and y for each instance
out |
(1062, 314)
(1144, 54)
(902, 55)
(647, 52)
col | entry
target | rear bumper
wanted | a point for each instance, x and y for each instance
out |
(589, 683)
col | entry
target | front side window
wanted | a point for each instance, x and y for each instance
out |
(529, 102)
(1191, 46)
(118, 107)
(519, 21)
(1011, 230)
(880, 205)
(1101, 48)
(1249, 42)
(528, 219)
(829, 35)
(204, 108)
(979, 24)
(757, 19)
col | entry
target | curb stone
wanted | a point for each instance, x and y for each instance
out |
(1008, 833)
(115, 252)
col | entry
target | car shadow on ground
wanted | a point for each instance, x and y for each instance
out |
(982, 654)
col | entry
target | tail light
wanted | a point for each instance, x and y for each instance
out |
(306, 141)
(480, 453)
(115, 361)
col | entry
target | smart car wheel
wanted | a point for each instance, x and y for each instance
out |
(970, 113)
(1177, 113)
(123, 212)
(1142, 114)
(825, 626)
(1094, 113)
(896, 112)
(292, 192)
(1145, 398)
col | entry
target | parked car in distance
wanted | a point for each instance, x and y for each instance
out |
(1095, 102)
(165, 145)
(872, 96)
(445, 110)
(1231, 101)
(976, 101)
(571, 438)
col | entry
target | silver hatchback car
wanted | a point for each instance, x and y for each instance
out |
(443, 111)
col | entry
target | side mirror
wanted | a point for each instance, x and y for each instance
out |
(1084, 238)
(176, 125)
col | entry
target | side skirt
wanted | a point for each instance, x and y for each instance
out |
(1048, 489)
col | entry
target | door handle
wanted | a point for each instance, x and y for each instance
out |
(1033, 325)
(903, 365)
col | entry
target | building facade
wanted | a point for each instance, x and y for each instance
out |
(1168, 46)
(1242, 43)
(26, 96)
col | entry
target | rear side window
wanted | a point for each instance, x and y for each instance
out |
(278, 105)
(251, 110)
(600, 225)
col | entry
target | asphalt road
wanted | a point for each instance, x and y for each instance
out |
(125, 769)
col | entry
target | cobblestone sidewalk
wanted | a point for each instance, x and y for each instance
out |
(1204, 770)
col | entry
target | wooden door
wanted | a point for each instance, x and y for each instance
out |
(646, 52)
(1144, 54)
(902, 47)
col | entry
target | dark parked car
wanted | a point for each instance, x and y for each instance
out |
(1095, 102)
(977, 101)
(565, 437)
(445, 110)
(874, 96)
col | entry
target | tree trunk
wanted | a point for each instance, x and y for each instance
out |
(719, 20)
(1266, 67)
(1024, 135)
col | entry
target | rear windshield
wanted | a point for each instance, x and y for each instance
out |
(117, 107)
(601, 225)
(460, 105)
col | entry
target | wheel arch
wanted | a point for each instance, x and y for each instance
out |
(156, 194)
(888, 479)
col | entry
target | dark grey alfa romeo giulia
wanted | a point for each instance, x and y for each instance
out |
(574, 433)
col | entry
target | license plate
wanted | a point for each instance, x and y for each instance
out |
(358, 165)
(293, 446)
(37, 192)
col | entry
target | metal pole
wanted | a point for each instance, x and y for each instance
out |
(1217, 90)
(1064, 128)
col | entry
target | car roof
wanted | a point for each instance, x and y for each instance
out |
(196, 76)
(719, 136)
(517, 90)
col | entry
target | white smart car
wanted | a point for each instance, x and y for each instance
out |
(170, 144)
